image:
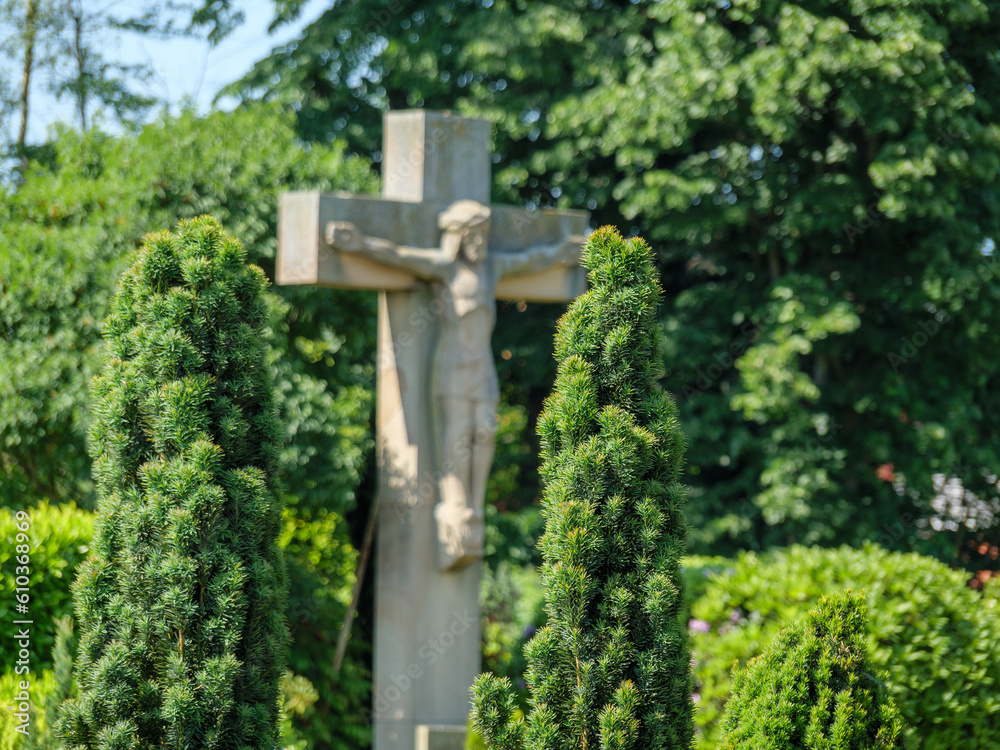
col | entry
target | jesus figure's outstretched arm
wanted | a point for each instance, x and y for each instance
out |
(564, 252)
(427, 263)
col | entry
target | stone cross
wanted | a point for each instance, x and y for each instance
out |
(439, 255)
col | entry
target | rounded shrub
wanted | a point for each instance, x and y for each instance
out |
(813, 688)
(180, 605)
(936, 641)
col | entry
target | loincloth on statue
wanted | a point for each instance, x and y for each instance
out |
(475, 380)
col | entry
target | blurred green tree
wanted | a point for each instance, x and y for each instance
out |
(72, 225)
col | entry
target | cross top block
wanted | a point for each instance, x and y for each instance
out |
(435, 157)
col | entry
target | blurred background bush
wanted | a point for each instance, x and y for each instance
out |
(936, 640)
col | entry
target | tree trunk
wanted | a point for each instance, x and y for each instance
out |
(30, 29)
(76, 15)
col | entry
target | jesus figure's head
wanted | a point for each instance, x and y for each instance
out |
(465, 225)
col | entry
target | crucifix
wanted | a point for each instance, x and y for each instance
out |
(440, 256)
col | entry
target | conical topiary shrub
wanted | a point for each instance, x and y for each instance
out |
(813, 688)
(611, 670)
(180, 604)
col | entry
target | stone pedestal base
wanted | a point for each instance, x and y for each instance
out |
(441, 737)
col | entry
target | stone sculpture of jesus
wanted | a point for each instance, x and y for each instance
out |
(465, 376)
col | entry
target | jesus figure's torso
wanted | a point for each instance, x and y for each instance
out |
(465, 367)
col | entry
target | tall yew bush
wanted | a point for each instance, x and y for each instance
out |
(180, 605)
(611, 670)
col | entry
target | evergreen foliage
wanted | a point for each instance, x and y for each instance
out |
(611, 669)
(813, 688)
(180, 605)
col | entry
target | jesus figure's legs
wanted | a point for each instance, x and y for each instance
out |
(467, 443)
(483, 445)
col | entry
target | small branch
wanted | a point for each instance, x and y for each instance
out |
(773, 265)
(359, 577)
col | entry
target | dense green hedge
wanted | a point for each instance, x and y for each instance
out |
(42, 684)
(936, 640)
(59, 540)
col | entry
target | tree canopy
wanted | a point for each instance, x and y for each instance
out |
(66, 47)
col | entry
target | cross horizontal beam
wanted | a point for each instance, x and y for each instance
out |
(305, 258)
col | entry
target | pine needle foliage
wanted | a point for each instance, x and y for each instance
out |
(813, 688)
(180, 604)
(611, 670)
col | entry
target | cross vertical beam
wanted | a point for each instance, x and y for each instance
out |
(427, 629)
